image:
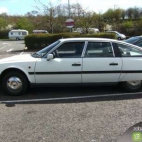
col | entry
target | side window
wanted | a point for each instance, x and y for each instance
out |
(11, 33)
(23, 33)
(128, 51)
(99, 49)
(19, 33)
(69, 50)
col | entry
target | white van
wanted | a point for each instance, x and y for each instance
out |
(17, 34)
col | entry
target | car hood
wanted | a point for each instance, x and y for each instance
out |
(18, 58)
(123, 35)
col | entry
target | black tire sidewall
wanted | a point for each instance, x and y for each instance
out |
(22, 78)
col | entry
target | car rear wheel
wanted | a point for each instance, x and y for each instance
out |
(132, 86)
(14, 83)
(17, 38)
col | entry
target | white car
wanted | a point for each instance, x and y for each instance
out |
(119, 36)
(74, 61)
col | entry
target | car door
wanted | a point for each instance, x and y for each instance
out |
(64, 68)
(100, 63)
(132, 62)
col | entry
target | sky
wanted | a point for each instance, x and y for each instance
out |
(21, 7)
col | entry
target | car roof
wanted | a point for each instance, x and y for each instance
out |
(91, 39)
(87, 39)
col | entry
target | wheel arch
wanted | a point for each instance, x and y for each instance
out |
(14, 69)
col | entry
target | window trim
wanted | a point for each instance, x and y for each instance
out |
(102, 42)
(52, 50)
(131, 46)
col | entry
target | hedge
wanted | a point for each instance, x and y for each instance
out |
(4, 34)
(38, 41)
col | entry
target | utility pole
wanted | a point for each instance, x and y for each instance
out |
(69, 9)
(69, 13)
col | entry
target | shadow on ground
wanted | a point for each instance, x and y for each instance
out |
(46, 95)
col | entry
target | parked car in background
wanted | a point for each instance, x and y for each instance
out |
(78, 30)
(40, 32)
(17, 34)
(136, 40)
(93, 30)
(119, 36)
(83, 30)
(74, 61)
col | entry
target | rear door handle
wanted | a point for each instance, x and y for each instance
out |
(113, 64)
(76, 64)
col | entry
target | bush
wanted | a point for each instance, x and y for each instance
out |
(38, 41)
(4, 34)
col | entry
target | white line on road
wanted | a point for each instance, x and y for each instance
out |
(5, 43)
(10, 50)
(69, 98)
(21, 53)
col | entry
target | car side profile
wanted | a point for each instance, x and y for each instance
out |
(74, 61)
(119, 36)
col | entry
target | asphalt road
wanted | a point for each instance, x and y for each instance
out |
(66, 114)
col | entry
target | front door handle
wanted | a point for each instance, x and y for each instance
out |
(76, 64)
(113, 64)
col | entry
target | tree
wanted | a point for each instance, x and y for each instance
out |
(130, 12)
(117, 14)
(136, 13)
(123, 14)
(24, 23)
(3, 23)
(109, 15)
(49, 12)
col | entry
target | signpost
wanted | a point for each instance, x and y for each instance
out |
(69, 22)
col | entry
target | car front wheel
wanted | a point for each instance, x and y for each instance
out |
(14, 83)
(132, 86)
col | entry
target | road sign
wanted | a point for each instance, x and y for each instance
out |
(70, 23)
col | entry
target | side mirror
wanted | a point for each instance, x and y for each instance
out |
(49, 57)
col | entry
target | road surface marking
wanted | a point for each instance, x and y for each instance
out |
(21, 53)
(10, 50)
(69, 98)
(5, 43)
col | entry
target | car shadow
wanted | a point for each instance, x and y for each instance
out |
(51, 95)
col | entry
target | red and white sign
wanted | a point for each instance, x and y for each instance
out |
(70, 23)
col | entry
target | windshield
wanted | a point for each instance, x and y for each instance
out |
(45, 50)
(132, 39)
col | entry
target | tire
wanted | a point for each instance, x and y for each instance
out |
(17, 38)
(132, 86)
(14, 83)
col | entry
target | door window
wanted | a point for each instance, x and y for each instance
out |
(69, 50)
(128, 51)
(99, 49)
